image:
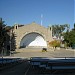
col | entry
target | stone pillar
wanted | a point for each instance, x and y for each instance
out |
(49, 33)
(16, 26)
(50, 38)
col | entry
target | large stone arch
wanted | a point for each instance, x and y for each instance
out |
(33, 39)
(22, 31)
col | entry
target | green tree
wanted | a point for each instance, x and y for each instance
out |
(58, 29)
(72, 37)
(5, 32)
(2, 34)
(69, 37)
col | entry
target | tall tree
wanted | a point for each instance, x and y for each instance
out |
(69, 37)
(58, 29)
(2, 33)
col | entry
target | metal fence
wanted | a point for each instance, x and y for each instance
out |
(54, 63)
(9, 62)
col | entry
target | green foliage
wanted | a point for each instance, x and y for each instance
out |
(69, 37)
(2, 25)
(3, 31)
(54, 43)
(58, 29)
(5, 35)
(72, 37)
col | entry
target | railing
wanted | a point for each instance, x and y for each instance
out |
(9, 62)
(53, 63)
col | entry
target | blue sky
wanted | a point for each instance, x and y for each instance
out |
(27, 11)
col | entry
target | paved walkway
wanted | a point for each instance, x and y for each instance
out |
(50, 53)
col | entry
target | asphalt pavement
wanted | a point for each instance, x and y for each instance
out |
(19, 69)
(25, 68)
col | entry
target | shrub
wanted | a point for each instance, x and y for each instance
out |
(54, 43)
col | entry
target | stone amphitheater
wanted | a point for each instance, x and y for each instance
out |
(32, 35)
